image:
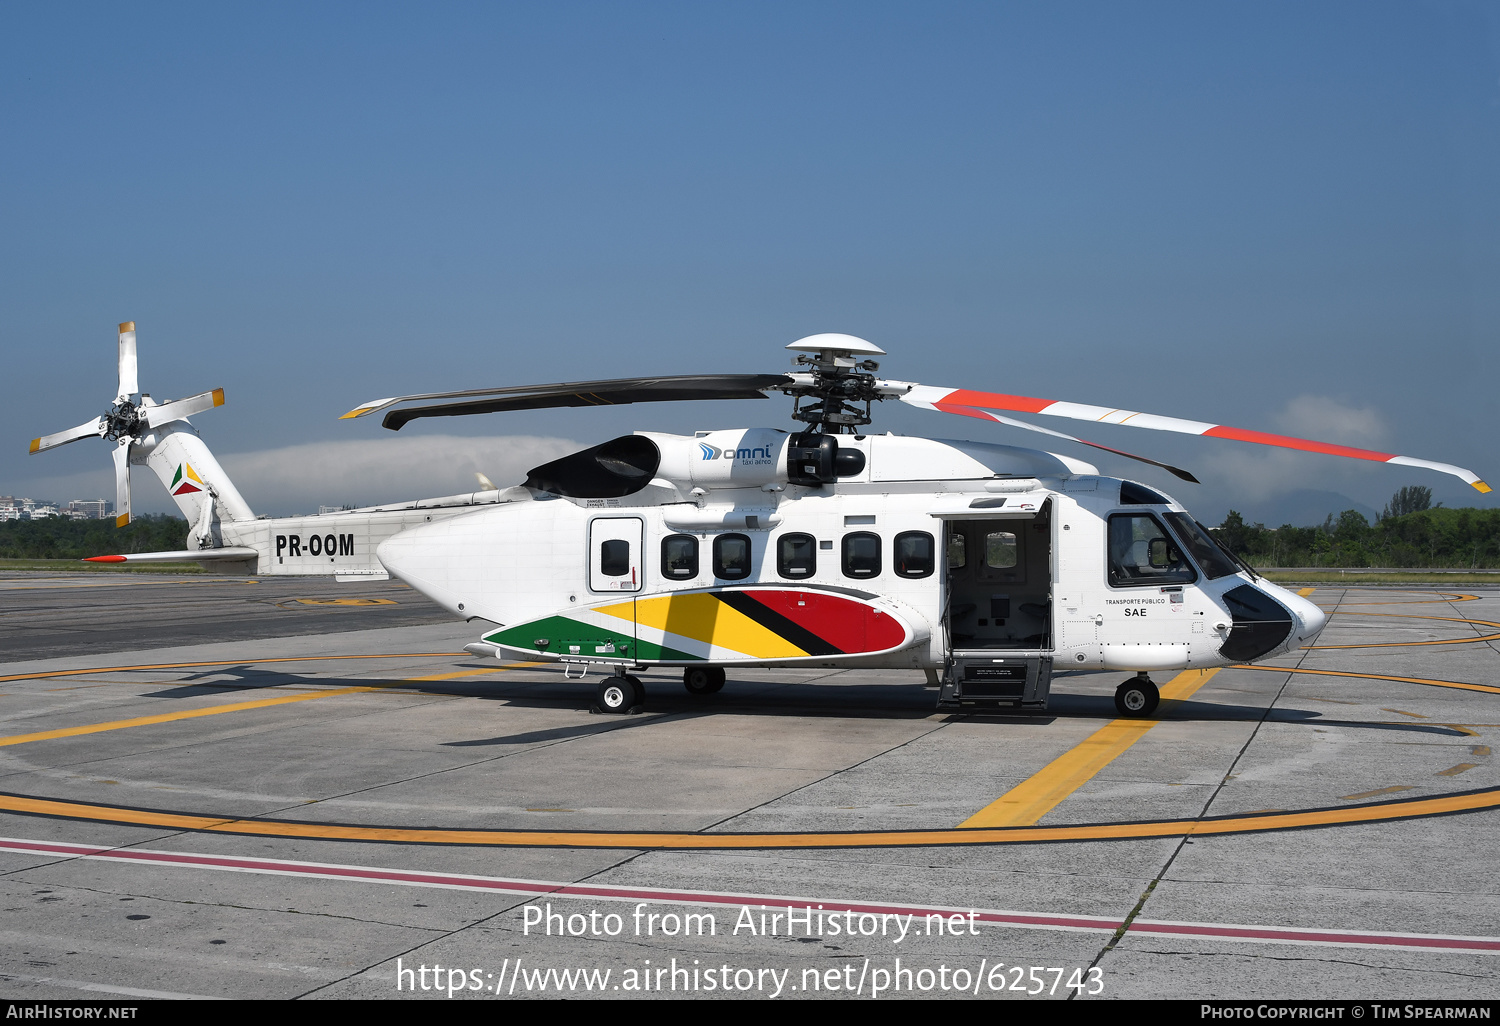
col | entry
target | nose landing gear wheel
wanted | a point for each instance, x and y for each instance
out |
(1137, 697)
(619, 694)
(703, 680)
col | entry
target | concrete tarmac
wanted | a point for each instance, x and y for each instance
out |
(210, 789)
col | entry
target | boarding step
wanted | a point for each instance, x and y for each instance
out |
(996, 679)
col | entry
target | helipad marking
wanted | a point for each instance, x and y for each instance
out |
(42, 675)
(1429, 682)
(599, 892)
(1408, 644)
(1409, 808)
(262, 703)
(1033, 798)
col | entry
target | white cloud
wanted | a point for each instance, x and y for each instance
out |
(1327, 420)
(300, 478)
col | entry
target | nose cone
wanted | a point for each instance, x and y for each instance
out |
(1310, 618)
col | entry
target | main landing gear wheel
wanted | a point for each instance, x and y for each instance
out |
(1137, 697)
(703, 680)
(620, 694)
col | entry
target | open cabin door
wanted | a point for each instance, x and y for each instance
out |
(998, 609)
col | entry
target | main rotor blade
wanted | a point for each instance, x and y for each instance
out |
(122, 483)
(1009, 422)
(177, 409)
(93, 429)
(954, 400)
(129, 385)
(616, 392)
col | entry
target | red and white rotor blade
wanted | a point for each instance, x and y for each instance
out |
(129, 383)
(1010, 422)
(177, 409)
(122, 483)
(93, 429)
(957, 400)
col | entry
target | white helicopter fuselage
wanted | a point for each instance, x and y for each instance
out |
(931, 554)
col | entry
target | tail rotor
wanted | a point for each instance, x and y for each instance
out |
(129, 420)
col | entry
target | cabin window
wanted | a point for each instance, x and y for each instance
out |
(1142, 553)
(1000, 550)
(732, 557)
(862, 554)
(914, 554)
(796, 556)
(614, 557)
(679, 557)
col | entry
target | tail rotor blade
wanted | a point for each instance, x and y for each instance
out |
(177, 409)
(122, 482)
(93, 429)
(129, 384)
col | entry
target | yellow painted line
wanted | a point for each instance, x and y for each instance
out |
(1304, 592)
(1458, 684)
(1375, 812)
(1403, 712)
(346, 602)
(1030, 800)
(1378, 791)
(1453, 771)
(262, 703)
(228, 662)
(1480, 750)
(1408, 644)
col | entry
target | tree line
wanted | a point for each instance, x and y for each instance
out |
(1435, 537)
(61, 538)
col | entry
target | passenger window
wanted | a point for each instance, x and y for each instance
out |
(914, 554)
(957, 555)
(679, 557)
(862, 554)
(1142, 553)
(732, 557)
(796, 555)
(614, 558)
(999, 550)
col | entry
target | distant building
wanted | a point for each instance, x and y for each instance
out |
(12, 508)
(333, 509)
(91, 509)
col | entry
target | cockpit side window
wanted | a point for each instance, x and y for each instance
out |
(1215, 561)
(1141, 553)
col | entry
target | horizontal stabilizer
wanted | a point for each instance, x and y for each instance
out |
(181, 556)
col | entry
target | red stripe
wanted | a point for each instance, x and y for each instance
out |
(104, 559)
(964, 411)
(1261, 438)
(847, 625)
(1032, 919)
(996, 401)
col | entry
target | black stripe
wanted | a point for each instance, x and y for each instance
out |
(790, 630)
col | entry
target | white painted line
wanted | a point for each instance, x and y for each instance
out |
(600, 892)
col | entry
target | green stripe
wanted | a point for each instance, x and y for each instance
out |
(562, 632)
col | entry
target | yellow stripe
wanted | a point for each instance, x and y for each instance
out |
(1304, 592)
(192, 714)
(1439, 805)
(122, 519)
(1033, 798)
(36, 443)
(218, 397)
(702, 617)
(1482, 486)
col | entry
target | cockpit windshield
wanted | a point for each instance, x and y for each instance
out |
(1212, 559)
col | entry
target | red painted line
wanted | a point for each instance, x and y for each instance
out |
(1031, 920)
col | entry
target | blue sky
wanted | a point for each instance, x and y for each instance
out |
(1279, 216)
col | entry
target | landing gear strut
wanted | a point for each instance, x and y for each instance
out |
(1137, 697)
(703, 680)
(620, 693)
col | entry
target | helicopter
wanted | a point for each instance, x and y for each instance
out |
(986, 567)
